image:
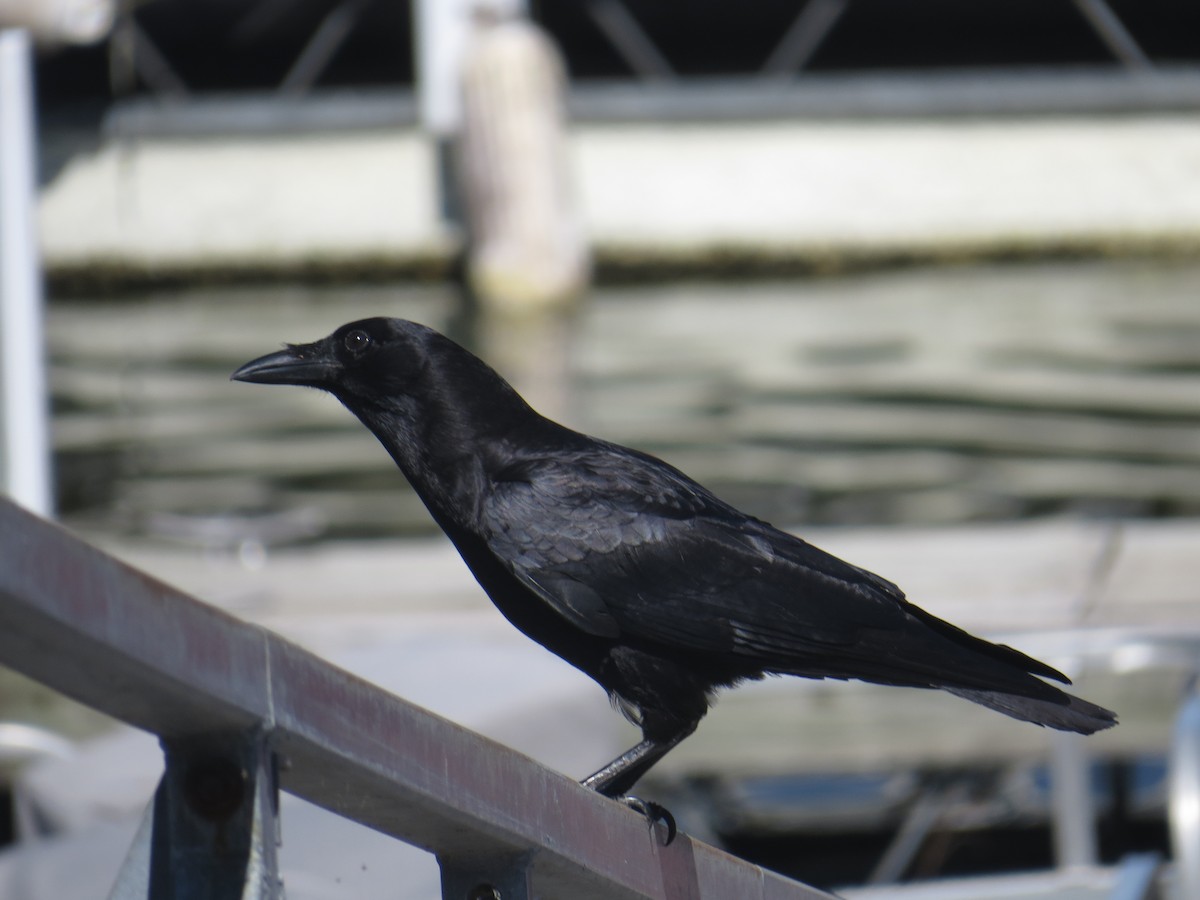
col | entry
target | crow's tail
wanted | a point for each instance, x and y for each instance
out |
(1065, 712)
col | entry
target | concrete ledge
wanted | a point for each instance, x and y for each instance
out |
(756, 195)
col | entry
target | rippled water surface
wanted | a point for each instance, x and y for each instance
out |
(918, 396)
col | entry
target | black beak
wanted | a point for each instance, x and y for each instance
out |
(305, 364)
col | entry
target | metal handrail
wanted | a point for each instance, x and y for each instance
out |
(242, 712)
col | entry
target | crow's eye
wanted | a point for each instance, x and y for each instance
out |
(357, 341)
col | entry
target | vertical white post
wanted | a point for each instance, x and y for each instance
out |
(1183, 799)
(24, 453)
(527, 254)
(440, 30)
(1074, 809)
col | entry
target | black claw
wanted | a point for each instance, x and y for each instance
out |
(654, 812)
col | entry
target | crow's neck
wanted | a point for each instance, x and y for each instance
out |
(448, 442)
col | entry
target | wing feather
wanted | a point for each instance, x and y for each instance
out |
(623, 546)
(644, 553)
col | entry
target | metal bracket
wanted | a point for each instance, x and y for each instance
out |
(484, 879)
(212, 830)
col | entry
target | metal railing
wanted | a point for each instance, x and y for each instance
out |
(134, 55)
(243, 713)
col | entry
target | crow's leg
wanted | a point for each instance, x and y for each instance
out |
(667, 699)
(662, 696)
(616, 778)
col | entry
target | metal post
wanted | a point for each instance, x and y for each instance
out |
(1183, 805)
(1074, 809)
(215, 824)
(25, 460)
(474, 878)
(212, 829)
(441, 30)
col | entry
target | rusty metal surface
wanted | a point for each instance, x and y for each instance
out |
(137, 649)
(121, 642)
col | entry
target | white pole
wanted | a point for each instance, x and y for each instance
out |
(1183, 796)
(441, 31)
(1074, 811)
(25, 460)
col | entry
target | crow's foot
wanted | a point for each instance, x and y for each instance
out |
(654, 813)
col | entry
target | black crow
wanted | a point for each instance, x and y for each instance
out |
(628, 569)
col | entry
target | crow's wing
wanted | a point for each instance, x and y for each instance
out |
(622, 545)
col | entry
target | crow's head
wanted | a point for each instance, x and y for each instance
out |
(407, 383)
(369, 358)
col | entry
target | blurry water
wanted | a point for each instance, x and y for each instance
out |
(917, 396)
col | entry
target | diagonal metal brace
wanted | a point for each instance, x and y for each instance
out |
(214, 824)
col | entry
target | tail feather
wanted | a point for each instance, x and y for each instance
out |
(1065, 713)
(1001, 653)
